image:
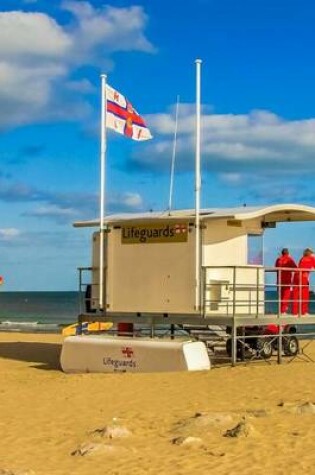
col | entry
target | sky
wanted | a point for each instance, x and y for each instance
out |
(258, 119)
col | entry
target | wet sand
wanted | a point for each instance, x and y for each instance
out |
(169, 423)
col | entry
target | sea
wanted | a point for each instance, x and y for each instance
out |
(52, 311)
(38, 311)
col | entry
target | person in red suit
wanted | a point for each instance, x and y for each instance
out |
(301, 283)
(286, 264)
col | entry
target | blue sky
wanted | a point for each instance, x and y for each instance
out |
(258, 134)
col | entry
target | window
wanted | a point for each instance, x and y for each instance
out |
(255, 249)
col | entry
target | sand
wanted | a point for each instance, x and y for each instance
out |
(175, 423)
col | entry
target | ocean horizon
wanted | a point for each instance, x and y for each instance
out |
(38, 310)
(50, 311)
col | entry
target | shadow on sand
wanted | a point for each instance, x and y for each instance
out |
(45, 354)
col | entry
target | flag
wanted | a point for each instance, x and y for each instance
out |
(123, 118)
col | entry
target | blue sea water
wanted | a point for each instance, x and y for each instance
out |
(38, 311)
(50, 311)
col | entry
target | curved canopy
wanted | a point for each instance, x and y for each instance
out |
(269, 214)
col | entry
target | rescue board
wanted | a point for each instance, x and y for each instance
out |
(86, 327)
(104, 354)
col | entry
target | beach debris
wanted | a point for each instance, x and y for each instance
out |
(203, 423)
(216, 453)
(206, 420)
(212, 418)
(288, 406)
(90, 448)
(257, 412)
(242, 429)
(306, 407)
(187, 441)
(112, 432)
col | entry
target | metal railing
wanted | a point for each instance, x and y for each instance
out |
(256, 291)
(247, 301)
(251, 291)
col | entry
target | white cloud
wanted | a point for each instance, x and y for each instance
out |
(38, 56)
(230, 142)
(27, 36)
(133, 200)
(54, 211)
(107, 29)
(26, 92)
(127, 201)
(231, 178)
(9, 234)
(84, 86)
(69, 206)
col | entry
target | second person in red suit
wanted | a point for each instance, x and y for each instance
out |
(286, 264)
(301, 283)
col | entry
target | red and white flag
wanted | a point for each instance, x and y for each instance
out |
(123, 118)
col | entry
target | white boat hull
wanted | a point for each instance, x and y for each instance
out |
(99, 354)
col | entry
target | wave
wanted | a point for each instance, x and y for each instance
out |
(8, 325)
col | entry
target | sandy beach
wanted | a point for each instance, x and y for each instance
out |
(176, 423)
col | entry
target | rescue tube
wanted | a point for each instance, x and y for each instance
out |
(86, 327)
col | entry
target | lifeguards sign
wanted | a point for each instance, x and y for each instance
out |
(154, 233)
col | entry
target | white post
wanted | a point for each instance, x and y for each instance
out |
(197, 185)
(102, 188)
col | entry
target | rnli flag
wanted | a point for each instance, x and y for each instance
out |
(123, 118)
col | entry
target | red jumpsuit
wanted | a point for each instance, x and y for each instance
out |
(301, 286)
(284, 280)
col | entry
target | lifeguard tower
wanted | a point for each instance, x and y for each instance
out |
(149, 269)
(201, 267)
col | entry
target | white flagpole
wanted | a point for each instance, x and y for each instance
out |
(197, 185)
(102, 188)
(173, 158)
